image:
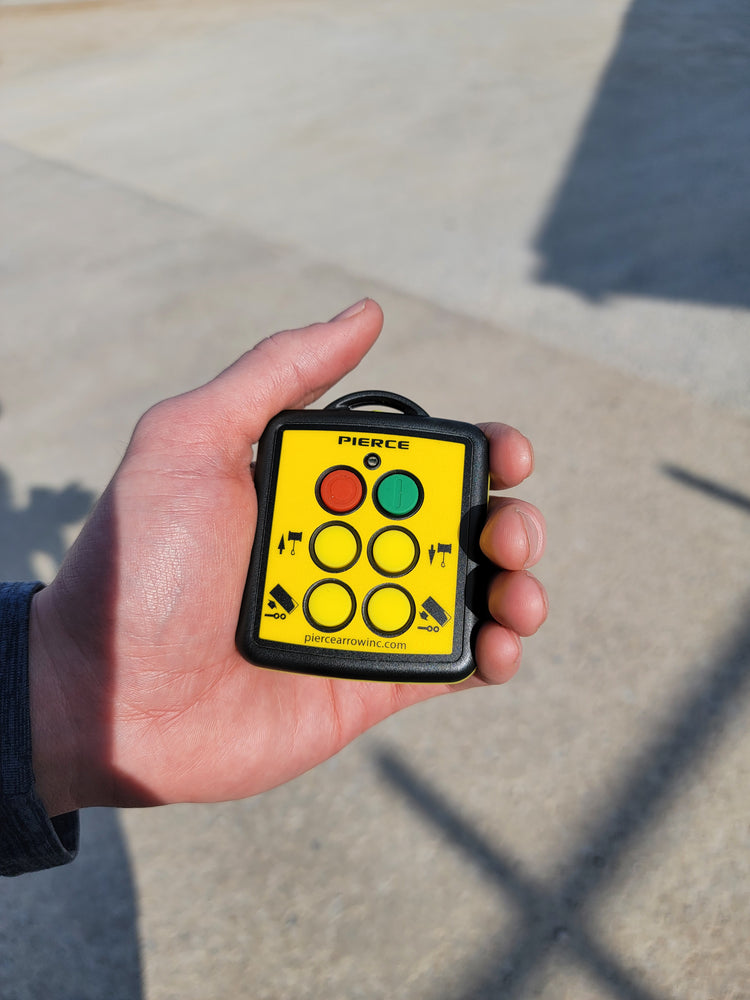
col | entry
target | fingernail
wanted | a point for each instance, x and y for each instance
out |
(351, 311)
(545, 598)
(531, 456)
(533, 537)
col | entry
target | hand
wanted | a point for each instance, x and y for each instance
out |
(138, 694)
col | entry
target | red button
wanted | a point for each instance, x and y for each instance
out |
(341, 491)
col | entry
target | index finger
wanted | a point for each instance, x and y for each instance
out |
(511, 455)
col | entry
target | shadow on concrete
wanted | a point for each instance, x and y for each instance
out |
(656, 197)
(71, 932)
(709, 486)
(553, 917)
(38, 527)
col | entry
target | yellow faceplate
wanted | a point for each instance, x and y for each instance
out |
(397, 594)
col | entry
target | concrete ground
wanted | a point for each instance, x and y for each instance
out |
(550, 202)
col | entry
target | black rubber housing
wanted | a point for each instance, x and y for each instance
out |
(472, 568)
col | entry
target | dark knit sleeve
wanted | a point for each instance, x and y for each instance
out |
(29, 839)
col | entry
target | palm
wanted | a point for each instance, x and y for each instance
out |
(186, 698)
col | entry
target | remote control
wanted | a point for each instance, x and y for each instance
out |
(366, 561)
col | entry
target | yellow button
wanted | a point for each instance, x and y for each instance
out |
(329, 605)
(394, 551)
(389, 610)
(336, 547)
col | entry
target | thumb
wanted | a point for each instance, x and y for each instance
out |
(291, 369)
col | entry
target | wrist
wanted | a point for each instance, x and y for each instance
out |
(63, 720)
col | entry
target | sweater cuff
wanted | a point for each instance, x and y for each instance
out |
(29, 839)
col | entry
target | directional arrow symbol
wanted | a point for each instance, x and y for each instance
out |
(432, 553)
(281, 545)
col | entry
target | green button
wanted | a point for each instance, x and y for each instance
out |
(398, 494)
